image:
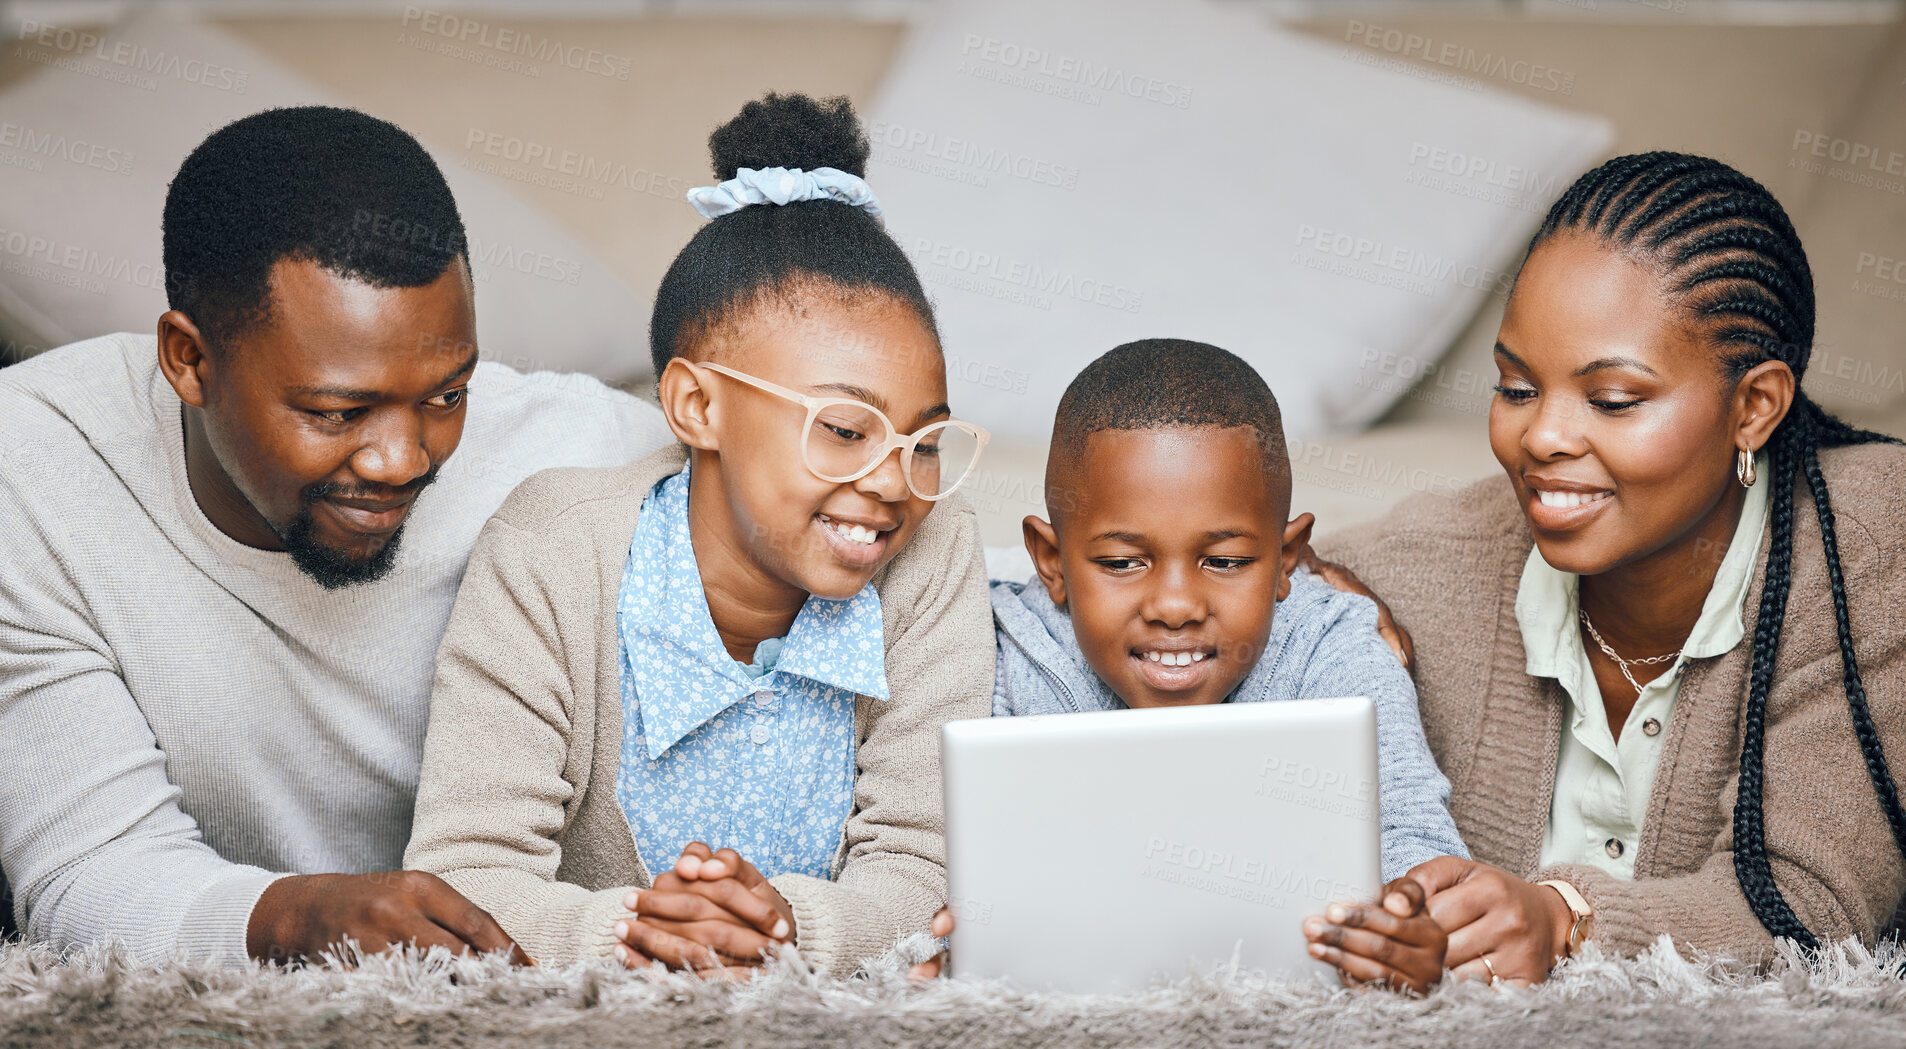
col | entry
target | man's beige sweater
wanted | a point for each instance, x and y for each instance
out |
(1449, 568)
(517, 804)
(184, 719)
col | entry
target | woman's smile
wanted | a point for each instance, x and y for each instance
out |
(1558, 505)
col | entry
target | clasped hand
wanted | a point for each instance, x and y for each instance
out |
(1522, 929)
(1392, 943)
(712, 913)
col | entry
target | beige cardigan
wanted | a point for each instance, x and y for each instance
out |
(517, 805)
(1449, 569)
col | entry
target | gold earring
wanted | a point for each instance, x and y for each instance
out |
(1744, 468)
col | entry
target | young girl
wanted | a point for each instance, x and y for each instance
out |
(747, 644)
(1662, 660)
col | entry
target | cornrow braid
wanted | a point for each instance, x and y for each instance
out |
(1730, 259)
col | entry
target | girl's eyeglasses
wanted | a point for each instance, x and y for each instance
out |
(844, 440)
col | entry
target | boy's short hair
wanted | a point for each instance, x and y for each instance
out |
(1164, 384)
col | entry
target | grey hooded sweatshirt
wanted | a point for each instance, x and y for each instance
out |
(1324, 643)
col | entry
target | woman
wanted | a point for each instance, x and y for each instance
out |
(1673, 664)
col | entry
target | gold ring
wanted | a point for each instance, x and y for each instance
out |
(1493, 978)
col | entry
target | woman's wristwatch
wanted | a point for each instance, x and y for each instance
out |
(1580, 930)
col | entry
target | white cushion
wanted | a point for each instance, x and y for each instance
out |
(88, 145)
(1074, 174)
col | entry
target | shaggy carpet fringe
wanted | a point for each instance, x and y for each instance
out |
(1844, 995)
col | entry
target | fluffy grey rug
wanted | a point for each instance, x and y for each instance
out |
(1846, 996)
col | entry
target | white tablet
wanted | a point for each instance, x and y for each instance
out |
(1102, 851)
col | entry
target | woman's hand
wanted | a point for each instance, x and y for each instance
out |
(1345, 580)
(713, 910)
(1520, 928)
(1395, 944)
(930, 969)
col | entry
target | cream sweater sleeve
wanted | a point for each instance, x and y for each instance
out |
(939, 651)
(492, 794)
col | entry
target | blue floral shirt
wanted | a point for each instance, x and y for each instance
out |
(757, 759)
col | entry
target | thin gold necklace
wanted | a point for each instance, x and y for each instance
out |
(1620, 663)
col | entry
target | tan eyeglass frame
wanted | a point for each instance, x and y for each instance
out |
(895, 439)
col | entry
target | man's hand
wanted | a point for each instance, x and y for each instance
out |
(1345, 580)
(1395, 943)
(1520, 928)
(931, 968)
(303, 916)
(713, 910)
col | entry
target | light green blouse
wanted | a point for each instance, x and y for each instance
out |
(1602, 786)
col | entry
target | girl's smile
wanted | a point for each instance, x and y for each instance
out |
(858, 543)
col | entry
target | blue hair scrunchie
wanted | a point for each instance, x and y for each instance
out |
(783, 186)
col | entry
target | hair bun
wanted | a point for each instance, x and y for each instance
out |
(791, 131)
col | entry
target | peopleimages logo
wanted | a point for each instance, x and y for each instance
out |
(1003, 277)
(970, 912)
(487, 258)
(130, 59)
(985, 159)
(1081, 78)
(1486, 170)
(1844, 160)
(1460, 57)
(1853, 378)
(1431, 382)
(476, 33)
(1313, 787)
(1314, 777)
(1408, 267)
(565, 170)
(78, 151)
(74, 265)
(1240, 877)
(1875, 269)
(1318, 463)
(1847, 151)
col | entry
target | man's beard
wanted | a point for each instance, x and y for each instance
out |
(326, 566)
(329, 568)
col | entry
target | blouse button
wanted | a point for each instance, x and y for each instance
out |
(1651, 727)
(759, 734)
(1614, 848)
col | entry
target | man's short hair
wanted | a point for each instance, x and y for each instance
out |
(354, 194)
(1163, 384)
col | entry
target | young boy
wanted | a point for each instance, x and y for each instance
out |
(1168, 577)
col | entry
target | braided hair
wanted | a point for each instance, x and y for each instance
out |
(1731, 261)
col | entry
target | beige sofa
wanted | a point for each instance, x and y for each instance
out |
(1766, 98)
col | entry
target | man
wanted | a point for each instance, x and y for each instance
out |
(227, 556)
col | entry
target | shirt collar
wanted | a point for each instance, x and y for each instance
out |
(668, 632)
(1547, 599)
